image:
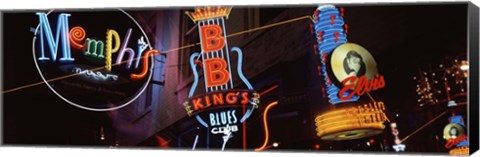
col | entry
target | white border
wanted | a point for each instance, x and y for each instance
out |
(62, 152)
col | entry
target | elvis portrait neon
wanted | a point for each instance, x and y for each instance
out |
(349, 69)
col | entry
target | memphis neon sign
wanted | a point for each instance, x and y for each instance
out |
(115, 58)
(75, 38)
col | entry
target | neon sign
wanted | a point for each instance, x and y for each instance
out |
(349, 69)
(398, 147)
(455, 136)
(95, 75)
(217, 72)
(351, 122)
(87, 54)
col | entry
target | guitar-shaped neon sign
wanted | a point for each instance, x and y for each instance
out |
(214, 59)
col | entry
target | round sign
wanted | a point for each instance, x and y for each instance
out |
(88, 59)
(453, 130)
(349, 60)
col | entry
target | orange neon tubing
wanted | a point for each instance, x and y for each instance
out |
(77, 35)
(145, 64)
(265, 125)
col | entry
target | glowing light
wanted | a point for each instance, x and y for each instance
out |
(317, 146)
(265, 126)
(275, 144)
(62, 31)
(464, 67)
(77, 35)
(208, 13)
(146, 56)
(239, 67)
(195, 74)
(212, 39)
(329, 30)
(216, 72)
(94, 46)
(460, 151)
(124, 49)
(351, 118)
(108, 48)
(96, 75)
(142, 46)
(399, 147)
(269, 90)
(221, 99)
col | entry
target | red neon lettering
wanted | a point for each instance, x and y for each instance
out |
(207, 101)
(218, 99)
(146, 56)
(245, 98)
(216, 72)
(77, 35)
(454, 141)
(212, 39)
(197, 104)
(363, 86)
(231, 98)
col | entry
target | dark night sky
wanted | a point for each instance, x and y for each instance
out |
(405, 38)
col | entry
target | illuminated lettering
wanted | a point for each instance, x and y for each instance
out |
(454, 141)
(197, 104)
(233, 118)
(216, 72)
(212, 39)
(363, 86)
(218, 99)
(46, 32)
(223, 118)
(212, 119)
(224, 129)
(245, 98)
(207, 101)
(142, 46)
(108, 47)
(96, 75)
(353, 117)
(94, 46)
(145, 64)
(231, 98)
(126, 49)
(77, 35)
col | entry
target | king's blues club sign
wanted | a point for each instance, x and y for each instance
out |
(219, 107)
(90, 63)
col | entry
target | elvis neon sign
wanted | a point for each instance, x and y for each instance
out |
(454, 132)
(91, 55)
(349, 69)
